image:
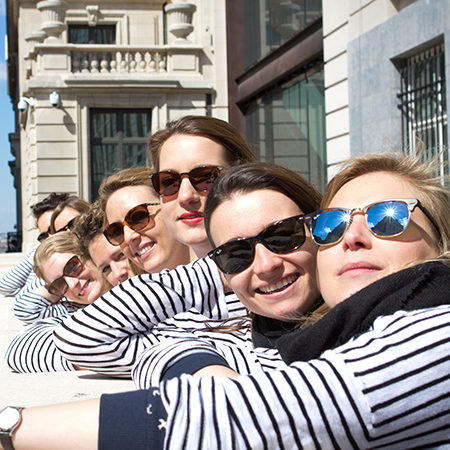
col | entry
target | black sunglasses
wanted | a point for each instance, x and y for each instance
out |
(167, 182)
(137, 219)
(73, 269)
(281, 237)
(385, 219)
(67, 227)
(43, 236)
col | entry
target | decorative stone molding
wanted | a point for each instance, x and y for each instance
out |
(53, 16)
(179, 15)
(93, 14)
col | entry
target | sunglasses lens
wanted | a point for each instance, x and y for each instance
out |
(58, 287)
(203, 178)
(166, 183)
(234, 257)
(388, 218)
(329, 226)
(138, 217)
(284, 236)
(73, 267)
(43, 236)
(114, 233)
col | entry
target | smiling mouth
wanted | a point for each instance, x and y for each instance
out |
(145, 249)
(281, 285)
(85, 288)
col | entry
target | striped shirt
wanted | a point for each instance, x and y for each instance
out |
(109, 334)
(30, 306)
(13, 281)
(387, 388)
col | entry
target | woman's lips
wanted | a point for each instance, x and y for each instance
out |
(144, 249)
(279, 286)
(358, 268)
(85, 288)
(191, 218)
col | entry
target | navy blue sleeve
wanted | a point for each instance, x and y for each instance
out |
(190, 364)
(134, 420)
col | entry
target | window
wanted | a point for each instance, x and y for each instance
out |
(268, 23)
(286, 126)
(118, 141)
(422, 101)
(84, 34)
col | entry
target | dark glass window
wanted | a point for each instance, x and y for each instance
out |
(286, 126)
(84, 34)
(422, 100)
(268, 23)
(118, 141)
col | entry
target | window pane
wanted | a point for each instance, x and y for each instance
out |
(104, 125)
(268, 23)
(135, 155)
(287, 127)
(135, 124)
(84, 34)
(103, 163)
(78, 35)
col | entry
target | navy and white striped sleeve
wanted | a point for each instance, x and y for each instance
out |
(30, 306)
(388, 388)
(13, 281)
(109, 334)
(32, 350)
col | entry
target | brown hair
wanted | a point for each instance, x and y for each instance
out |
(251, 177)
(219, 131)
(73, 202)
(419, 175)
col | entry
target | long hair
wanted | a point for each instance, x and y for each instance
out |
(236, 149)
(72, 202)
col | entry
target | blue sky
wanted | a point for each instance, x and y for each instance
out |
(8, 193)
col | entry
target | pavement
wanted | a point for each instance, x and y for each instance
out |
(18, 389)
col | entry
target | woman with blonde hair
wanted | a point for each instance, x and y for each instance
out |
(75, 282)
(379, 377)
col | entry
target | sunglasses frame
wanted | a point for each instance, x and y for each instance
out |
(252, 240)
(43, 236)
(157, 184)
(61, 292)
(127, 223)
(411, 204)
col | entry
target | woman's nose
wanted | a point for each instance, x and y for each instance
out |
(129, 235)
(187, 193)
(265, 261)
(358, 234)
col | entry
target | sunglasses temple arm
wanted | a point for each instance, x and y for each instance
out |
(431, 218)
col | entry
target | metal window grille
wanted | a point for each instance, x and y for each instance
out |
(422, 101)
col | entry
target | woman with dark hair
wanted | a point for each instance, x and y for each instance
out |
(379, 373)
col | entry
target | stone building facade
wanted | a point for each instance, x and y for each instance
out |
(90, 81)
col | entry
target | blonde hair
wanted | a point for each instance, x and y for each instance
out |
(419, 175)
(62, 242)
(134, 176)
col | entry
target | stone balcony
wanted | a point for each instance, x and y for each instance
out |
(61, 65)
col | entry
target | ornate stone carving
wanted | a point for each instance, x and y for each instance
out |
(179, 15)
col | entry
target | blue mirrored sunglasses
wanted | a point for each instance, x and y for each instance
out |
(385, 219)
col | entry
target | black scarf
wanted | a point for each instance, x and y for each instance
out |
(423, 286)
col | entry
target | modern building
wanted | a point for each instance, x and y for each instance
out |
(307, 82)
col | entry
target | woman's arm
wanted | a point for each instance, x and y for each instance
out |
(117, 327)
(13, 281)
(32, 350)
(34, 302)
(69, 426)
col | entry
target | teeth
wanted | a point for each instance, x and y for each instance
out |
(82, 292)
(143, 250)
(278, 286)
